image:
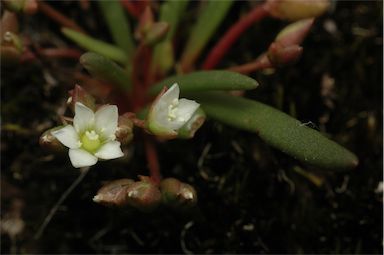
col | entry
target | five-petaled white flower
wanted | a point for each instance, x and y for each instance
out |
(92, 135)
(169, 113)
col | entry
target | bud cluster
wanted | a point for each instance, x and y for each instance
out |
(145, 195)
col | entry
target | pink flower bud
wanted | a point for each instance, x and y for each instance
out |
(143, 195)
(113, 193)
(50, 142)
(177, 194)
(79, 95)
(283, 55)
(124, 132)
(26, 6)
(297, 9)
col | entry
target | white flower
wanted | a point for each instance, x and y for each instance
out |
(169, 113)
(92, 135)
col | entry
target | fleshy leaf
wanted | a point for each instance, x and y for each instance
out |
(171, 12)
(105, 69)
(100, 47)
(277, 129)
(207, 80)
(118, 25)
(209, 20)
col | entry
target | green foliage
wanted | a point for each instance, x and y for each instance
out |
(92, 44)
(118, 25)
(171, 12)
(208, 80)
(208, 21)
(107, 70)
(277, 129)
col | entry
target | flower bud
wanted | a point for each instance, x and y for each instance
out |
(124, 132)
(195, 122)
(297, 9)
(50, 142)
(280, 55)
(12, 39)
(177, 194)
(143, 195)
(9, 23)
(168, 113)
(113, 193)
(146, 21)
(25, 6)
(79, 95)
(294, 33)
(156, 33)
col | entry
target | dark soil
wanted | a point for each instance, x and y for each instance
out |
(252, 198)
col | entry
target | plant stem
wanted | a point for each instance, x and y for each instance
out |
(60, 53)
(153, 162)
(261, 62)
(58, 17)
(83, 173)
(219, 50)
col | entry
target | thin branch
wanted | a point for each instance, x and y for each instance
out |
(153, 161)
(260, 63)
(83, 173)
(60, 18)
(230, 37)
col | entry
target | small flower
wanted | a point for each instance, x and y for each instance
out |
(169, 113)
(92, 135)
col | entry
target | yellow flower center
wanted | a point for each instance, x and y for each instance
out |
(90, 141)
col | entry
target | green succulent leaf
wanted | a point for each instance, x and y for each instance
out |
(107, 70)
(209, 20)
(118, 25)
(171, 12)
(92, 44)
(207, 80)
(277, 129)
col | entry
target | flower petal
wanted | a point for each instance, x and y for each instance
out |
(159, 111)
(185, 110)
(169, 95)
(84, 118)
(67, 136)
(106, 121)
(110, 150)
(81, 158)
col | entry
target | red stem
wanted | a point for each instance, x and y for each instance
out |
(153, 162)
(60, 53)
(261, 62)
(135, 8)
(58, 17)
(219, 50)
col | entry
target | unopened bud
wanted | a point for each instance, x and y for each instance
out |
(9, 23)
(78, 94)
(297, 9)
(156, 33)
(189, 129)
(177, 194)
(124, 132)
(24, 6)
(294, 33)
(146, 21)
(12, 39)
(143, 195)
(113, 193)
(50, 142)
(283, 55)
